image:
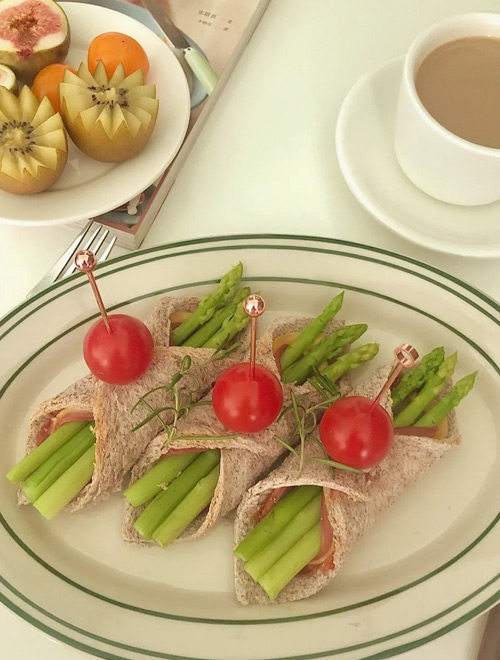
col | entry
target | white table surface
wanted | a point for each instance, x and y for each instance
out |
(266, 162)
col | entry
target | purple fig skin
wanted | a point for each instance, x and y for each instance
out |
(24, 58)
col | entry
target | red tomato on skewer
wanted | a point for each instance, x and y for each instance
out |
(246, 403)
(356, 432)
(122, 355)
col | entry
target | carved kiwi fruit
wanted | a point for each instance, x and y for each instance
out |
(109, 119)
(33, 143)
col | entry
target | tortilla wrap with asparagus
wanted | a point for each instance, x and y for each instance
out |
(238, 460)
(99, 418)
(330, 515)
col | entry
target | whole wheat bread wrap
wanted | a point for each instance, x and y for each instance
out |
(118, 447)
(244, 457)
(353, 500)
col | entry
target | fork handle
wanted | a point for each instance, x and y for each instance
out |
(201, 68)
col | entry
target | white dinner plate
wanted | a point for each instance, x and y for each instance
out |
(429, 564)
(365, 151)
(88, 187)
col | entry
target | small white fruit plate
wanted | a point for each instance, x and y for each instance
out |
(88, 187)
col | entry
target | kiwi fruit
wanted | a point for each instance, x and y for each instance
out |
(108, 118)
(33, 143)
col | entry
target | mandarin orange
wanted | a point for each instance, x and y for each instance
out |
(46, 83)
(115, 47)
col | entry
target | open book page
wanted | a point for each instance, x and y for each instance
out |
(215, 25)
(219, 28)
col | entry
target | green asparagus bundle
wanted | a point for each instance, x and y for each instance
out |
(211, 328)
(445, 405)
(325, 350)
(419, 399)
(212, 303)
(307, 337)
(184, 483)
(229, 328)
(349, 361)
(416, 377)
(56, 470)
(284, 541)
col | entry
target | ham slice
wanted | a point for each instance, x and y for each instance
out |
(272, 499)
(422, 431)
(324, 558)
(60, 417)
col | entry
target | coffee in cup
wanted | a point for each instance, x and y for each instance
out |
(447, 137)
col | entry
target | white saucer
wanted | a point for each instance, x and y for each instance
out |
(364, 139)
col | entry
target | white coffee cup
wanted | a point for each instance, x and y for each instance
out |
(437, 161)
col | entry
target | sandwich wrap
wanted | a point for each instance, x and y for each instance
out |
(353, 500)
(244, 458)
(118, 447)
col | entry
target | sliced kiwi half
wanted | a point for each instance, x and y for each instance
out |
(109, 119)
(33, 144)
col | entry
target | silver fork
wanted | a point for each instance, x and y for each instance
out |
(92, 237)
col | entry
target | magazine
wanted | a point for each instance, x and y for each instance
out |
(221, 29)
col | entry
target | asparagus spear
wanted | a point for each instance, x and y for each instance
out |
(417, 376)
(442, 407)
(207, 307)
(260, 563)
(187, 510)
(203, 334)
(327, 348)
(67, 486)
(293, 561)
(350, 361)
(229, 329)
(309, 334)
(41, 453)
(275, 521)
(164, 472)
(166, 501)
(430, 391)
(62, 459)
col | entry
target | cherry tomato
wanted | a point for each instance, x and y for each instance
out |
(247, 404)
(356, 433)
(46, 83)
(115, 47)
(122, 355)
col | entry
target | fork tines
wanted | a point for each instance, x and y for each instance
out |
(92, 237)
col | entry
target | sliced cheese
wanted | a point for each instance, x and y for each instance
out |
(178, 317)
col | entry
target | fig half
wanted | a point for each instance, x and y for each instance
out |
(33, 143)
(33, 34)
(109, 119)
